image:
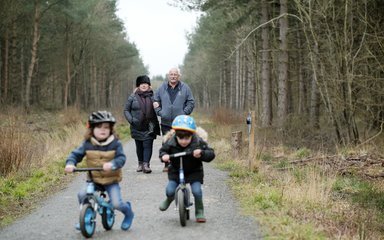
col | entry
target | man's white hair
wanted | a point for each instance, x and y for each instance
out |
(175, 68)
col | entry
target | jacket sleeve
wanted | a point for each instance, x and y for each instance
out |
(127, 109)
(189, 104)
(208, 154)
(165, 148)
(76, 155)
(120, 158)
(157, 98)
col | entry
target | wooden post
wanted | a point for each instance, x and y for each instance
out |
(236, 142)
(251, 143)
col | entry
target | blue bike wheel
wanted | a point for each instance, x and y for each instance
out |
(87, 220)
(107, 218)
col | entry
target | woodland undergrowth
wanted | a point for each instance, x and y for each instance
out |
(301, 189)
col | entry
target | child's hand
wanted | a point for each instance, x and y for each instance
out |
(69, 168)
(197, 153)
(107, 166)
(165, 158)
(156, 105)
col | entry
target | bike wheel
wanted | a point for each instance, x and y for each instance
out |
(182, 209)
(107, 218)
(187, 202)
(87, 220)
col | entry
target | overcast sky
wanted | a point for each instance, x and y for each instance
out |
(158, 30)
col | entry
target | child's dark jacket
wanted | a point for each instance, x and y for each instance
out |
(193, 167)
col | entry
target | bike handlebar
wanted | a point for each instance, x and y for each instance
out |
(88, 169)
(180, 154)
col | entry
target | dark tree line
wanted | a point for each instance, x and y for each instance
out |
(61, 53)
(317, 62)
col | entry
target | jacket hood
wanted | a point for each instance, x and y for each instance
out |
(199, 132)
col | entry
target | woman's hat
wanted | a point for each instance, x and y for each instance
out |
(143, 79)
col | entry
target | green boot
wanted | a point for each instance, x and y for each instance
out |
(199, 211)
(165, 204)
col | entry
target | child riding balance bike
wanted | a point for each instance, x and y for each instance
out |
(102, 149)
(186, 137)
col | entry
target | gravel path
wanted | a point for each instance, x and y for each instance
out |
(56, 217)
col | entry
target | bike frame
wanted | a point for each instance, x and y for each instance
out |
(94, 202)
(184, 189)
(183, 186)
(97, 199)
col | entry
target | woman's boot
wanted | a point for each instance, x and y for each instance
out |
(199, 211)
(146, 168)
(140, 167)
(165, 204)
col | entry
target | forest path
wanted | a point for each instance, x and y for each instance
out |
(56, 216)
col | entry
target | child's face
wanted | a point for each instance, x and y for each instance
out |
(184, 141)
(102, 131)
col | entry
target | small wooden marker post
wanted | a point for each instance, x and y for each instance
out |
(236, 142)
(251, 122)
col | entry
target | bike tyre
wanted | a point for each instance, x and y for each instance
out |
(187, 202)
(182, 209)
(107, 218)
(87, 220)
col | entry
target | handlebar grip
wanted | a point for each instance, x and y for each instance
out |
(88, 169)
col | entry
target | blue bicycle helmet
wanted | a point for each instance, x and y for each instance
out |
(184, 122)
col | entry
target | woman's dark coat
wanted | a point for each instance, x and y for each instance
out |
(138, 120)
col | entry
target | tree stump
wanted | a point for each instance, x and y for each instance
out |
(236, 142)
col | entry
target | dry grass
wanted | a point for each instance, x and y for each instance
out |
(32, 155)
(36, 138)
(299, 201)
(224, 116)
(19, 148)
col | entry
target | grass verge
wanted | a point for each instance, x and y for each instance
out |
(37, 162)
(300, 201)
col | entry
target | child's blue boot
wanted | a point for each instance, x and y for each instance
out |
(129, 215)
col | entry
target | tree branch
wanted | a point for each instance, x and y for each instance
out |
(261, 25)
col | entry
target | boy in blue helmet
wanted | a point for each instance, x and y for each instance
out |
(186, 137)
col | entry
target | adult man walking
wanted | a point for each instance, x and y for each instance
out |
(171, 99)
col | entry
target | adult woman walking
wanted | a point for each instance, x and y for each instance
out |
(143, 121)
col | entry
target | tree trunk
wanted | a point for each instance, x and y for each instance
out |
(237, 80)
(14, 87)
(22, 74)
(315, 99)
(282, 106)
(35, 41)
(302, 102)
(221, 85)
(250, 77)
(94, 84)
(67, 73)
(227, 84)
(265, 70)
(5, 69)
